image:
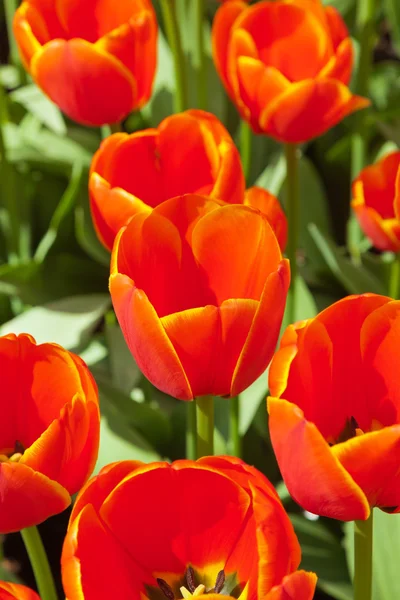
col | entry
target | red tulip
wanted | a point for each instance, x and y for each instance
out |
(286, 65)
(376, 202)
(49, 430)
(335, 410)
(199, 288)
(215, 525)
(96, 59)
(15, 591)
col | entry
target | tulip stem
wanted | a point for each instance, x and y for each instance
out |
(173, 33)
(205, 426)
(394, 283)
(201, 57)
(293, 217)
(236, 440)
(363, 534)
(245, 147)
(40, 564)
(365, 23)
(191, 440)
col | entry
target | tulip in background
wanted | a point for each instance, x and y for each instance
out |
(286, 66)
(96, 59)
(190, 152)
(215, 525)
(376, 202)
(199, 288)
(49, 430)
(335, 411)
(14, 591)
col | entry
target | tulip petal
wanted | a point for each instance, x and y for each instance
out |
(134, 43)
(28, 497)
(313, 475)
(67, 451)
(258, 86)
(102, 159)
(308, 109)
(241, 238)
(337, 27)
(384, 233)
(208, 342)
(340, 65)
(278, 28)
(263, 336)
(30, 32)
(194, 527)
(372, 460)
(93, 582)
(74, 75)
(96, 490)
(147, 340)
(15, 591)
(111, 208)
(223, 22)
(267, 203)
(296, 586)
(376, 184)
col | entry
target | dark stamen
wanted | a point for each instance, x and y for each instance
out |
(18, 447)
(190, 579)
(354, 424)
(165, 588)
(219, 583)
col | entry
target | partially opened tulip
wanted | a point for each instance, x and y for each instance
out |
(190, 152)
(96, 59)
(335, 410)
(214, 528)
(15, 591)
(376, 202)
(286, 66)
(199, 288)
(49, 430)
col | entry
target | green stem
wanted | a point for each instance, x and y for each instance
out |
(293, 217)
(191, 440)
(40, 564)
(245, 147)
(394, 283)
(201, 58)
(175, 42)
(365, 23)
(11, 218)
(205, 426)
(235, 438)
(363, 534)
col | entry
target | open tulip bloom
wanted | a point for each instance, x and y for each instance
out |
(376, 202)
(49, 430)
(190, 152)
(95, 59)
(215, 526)
(335, 408)
(15, 591)
(199, 288)
(286, 65)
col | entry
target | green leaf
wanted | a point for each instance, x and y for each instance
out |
(86, 236)
(386, 580)
(323, 553)
(36, 103)
(68, 322)
(124, 371)
(356, 279)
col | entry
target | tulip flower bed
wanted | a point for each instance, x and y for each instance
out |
(199, 299)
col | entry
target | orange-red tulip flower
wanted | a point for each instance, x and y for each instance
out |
(376, 202)
(199, 288)
(49, 430)
(286, 65)
(96, 59)
(167, 530)
(335, 414)
(190, 152)
(15, 591)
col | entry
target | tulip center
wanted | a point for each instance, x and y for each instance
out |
(192, 587)
(13, 454)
